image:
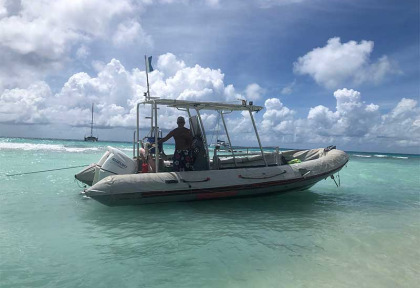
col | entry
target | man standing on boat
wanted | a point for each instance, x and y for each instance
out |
(183, 139)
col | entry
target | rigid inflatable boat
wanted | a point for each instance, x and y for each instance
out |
(147, 177)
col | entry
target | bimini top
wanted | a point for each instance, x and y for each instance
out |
(197, 105)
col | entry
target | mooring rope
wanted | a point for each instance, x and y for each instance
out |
(40, 171)
(332, 177)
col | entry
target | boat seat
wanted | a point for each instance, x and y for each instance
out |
(304, 155)
(199, 154)
(195, 126)
(249, 161)
(198, 149)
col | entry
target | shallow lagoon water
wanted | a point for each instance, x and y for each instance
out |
(362, 234)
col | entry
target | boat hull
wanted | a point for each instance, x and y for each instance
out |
(91, 139)
(124, 199)
(215, 184)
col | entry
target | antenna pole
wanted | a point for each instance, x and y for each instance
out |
(148, 94)
(147, 78)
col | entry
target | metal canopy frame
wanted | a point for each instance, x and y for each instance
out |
(197, 106)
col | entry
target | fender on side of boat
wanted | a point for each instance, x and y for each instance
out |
(86, 175)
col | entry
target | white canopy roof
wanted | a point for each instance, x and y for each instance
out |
(203, 105)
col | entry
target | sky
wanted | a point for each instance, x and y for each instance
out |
(327, 72)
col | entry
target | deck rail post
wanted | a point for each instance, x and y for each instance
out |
(258, 137)
(137, 130)
(134, 144)
(227, 135)
(154, 105)
(204, 136)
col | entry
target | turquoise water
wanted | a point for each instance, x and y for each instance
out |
(362, 234)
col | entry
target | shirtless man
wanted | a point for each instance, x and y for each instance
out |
(182, 157)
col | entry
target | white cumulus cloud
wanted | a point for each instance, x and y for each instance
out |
(352, 122)
(337, 64)
(26, 106)
(130, 32)
(253, 92)
(169, 64)
(277, 117)
(401, 125)
(37, 38)
(115, 91)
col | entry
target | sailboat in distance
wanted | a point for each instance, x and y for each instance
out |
(91, 138)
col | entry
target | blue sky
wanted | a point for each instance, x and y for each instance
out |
(327, 72)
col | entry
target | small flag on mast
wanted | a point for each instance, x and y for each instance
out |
(149, 64)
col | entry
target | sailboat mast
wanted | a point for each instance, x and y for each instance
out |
(91, 124)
